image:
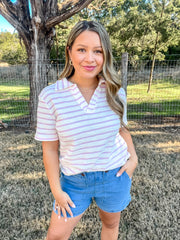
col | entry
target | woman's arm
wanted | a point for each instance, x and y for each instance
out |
(51, 164)
(132, 162)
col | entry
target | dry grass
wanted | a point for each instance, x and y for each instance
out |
(26, 200)
(4, 64)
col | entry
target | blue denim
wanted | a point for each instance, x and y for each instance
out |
(111, 193)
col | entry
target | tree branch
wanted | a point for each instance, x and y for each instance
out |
(51, 8)
(67, 10)
(9, 11)
(37, 8)
(23, 13)
(9, 6)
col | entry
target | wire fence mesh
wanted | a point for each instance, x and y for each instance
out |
(161, 104)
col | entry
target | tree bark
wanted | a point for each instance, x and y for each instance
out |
(124, 70)
(152, 66)
(38, 62)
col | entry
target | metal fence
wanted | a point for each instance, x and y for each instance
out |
(161, 104)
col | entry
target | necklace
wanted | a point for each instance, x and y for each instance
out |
(86, 89)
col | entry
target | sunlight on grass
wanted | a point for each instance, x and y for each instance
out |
(168, 147)
(8, 92)
(162, 100)
(20, 147)
(8, 117)
(159, 92)
(28, 176)
(147, 132)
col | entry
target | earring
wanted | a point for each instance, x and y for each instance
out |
(70, 62)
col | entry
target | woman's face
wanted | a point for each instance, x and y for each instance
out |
(87, 56)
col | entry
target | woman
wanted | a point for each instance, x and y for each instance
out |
(84, 114)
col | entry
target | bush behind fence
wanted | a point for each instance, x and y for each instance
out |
(161, 104)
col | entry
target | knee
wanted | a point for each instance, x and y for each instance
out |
(56, 235)
(111, 224)
(52, 236)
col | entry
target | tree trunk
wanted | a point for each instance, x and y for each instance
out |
(57, 55)
(124, 70)
(155, 50)
(38, 61)
(151, 72)
(153, 62)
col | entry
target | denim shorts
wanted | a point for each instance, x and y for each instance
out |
(111, 193)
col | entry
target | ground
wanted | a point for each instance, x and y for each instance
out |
(26, 200)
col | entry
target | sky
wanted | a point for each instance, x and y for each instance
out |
(5, 25)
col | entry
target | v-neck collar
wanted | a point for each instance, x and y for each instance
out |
(82, 102)
(88, 108)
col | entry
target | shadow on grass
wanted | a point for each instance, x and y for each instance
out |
(156, 109)
(13, 109)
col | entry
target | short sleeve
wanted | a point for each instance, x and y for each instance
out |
(122, 96)
(46, 123)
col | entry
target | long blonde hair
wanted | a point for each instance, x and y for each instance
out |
(108, 72)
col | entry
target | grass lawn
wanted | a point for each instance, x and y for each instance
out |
(13, 101)
(162, 100)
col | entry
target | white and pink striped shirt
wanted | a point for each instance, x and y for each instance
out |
(88, 133)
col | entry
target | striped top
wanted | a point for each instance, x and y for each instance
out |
(88, 133)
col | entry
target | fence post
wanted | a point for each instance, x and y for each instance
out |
(124, 70)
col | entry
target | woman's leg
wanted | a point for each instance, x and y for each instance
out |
(110, 225)
(59, 229)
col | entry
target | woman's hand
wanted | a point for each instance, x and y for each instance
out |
(132, 162)
(63, 204)
(129, 167)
